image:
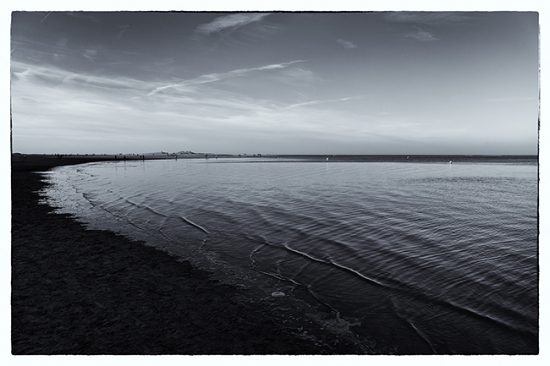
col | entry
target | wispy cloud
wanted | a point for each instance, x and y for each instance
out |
(346, 44)
(83, 15)
(298, 75)
(232, 21)
(427, 17)
(422, 36)
(90, 54)
(210, 78)
(115, 115)
(34, 74)
(123, 29)
(323, 101)
(111, 114)
(45, 17)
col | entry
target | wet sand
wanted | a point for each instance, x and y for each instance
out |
(79, 291)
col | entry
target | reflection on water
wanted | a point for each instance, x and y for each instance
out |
(422, 257)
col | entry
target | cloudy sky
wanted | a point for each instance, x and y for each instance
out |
(325, 83)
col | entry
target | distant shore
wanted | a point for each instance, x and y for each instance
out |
(79, 291)
(32, 161)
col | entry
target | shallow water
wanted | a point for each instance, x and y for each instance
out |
(419, 257)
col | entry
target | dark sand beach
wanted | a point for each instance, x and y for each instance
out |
(79, 291)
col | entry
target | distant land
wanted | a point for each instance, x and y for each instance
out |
(38, 160)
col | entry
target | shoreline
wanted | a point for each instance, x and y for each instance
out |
(80, 291)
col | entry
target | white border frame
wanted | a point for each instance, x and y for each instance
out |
(288, 5)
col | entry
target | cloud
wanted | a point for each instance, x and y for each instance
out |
(55, 110)
(36, 75)
(45, 17)
(123, 29)
(82, 15)
(232, 21)
(58, 111)
(210, 78)
(323, 101)
(298, 75)
(346, 44)
(90, 54)
(428, 18)
(422, 36)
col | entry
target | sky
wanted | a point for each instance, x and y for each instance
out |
(275, 83)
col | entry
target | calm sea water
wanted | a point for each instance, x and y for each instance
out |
(416, 257)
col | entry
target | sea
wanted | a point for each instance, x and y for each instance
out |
(419, 256)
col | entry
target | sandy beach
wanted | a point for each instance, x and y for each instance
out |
(79, 291)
